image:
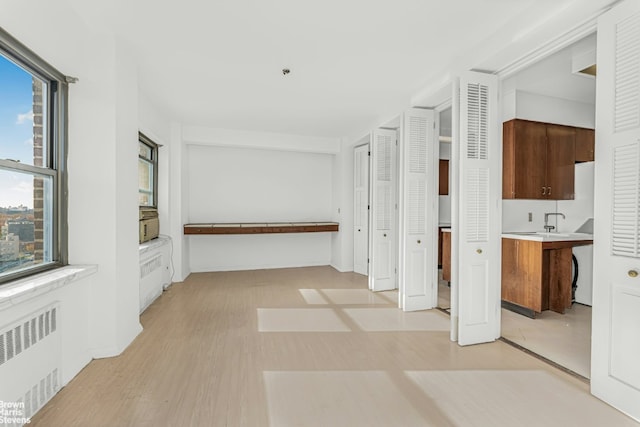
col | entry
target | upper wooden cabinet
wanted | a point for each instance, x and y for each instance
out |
(538, 160)
(443, 176)
(585, 145)
(560, 162)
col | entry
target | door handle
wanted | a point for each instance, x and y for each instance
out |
(544, 191)
(633, 273)
(549, 191)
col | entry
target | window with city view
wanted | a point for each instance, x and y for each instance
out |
(147, 172)
(30, 163)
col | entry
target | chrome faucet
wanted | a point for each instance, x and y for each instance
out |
(548, 227)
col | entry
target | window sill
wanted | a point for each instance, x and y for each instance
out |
(154, 244)
(31, 287)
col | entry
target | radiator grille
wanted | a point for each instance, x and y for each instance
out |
(150, 266)
(17, 338)
(30, 354)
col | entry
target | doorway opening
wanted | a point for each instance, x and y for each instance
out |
(552, 94)
(444, 212)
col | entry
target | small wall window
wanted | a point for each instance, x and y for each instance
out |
(147, 172)
(33, 98)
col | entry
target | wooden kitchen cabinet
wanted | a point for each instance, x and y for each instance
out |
(522, 274)
(446, 256)
(443, 178)
(538, 160)
(560, 162)
(536, 275)
(585, 145)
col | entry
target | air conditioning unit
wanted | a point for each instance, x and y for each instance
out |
(149, 224)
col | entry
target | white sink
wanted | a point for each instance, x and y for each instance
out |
(546, 234)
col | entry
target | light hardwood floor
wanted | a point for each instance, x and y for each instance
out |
(312, 347)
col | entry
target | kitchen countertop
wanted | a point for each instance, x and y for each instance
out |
(539, 236)
(547, 237)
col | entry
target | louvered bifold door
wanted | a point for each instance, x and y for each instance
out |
(418, 210)
(615, 354)
(361, 209)
(478, 223)
(383, 230)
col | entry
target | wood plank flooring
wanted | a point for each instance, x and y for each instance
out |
(312, 347)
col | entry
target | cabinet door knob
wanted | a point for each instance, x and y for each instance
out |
(479, 251)
(549, 188)
(633, 273)
(358, 229)
(418, 241)
(384, 235)
(544, 191)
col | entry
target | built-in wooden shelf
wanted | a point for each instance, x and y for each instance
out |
(260, 228)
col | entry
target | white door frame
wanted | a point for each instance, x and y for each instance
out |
(418, 160)
(361, 230)
(476, 219)
(383, 229)
(615, 349)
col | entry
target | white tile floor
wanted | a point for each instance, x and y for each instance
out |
(562, 338)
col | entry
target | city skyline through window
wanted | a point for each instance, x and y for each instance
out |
(16, 133)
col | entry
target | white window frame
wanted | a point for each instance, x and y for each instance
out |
(143, 139)
(56, 150)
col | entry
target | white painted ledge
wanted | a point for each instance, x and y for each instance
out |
(33, 286)
(154, 244)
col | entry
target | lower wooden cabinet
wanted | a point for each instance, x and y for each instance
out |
(537, 275)
(522, 274)
(446, 256)
(443, 178)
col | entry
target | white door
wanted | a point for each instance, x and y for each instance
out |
(418, 210)
(477, 211)
(615, 348)
(361, 210)
(382, 250)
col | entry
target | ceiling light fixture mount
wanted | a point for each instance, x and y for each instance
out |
(285, 71)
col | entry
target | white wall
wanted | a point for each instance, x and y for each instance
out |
(540, 108)
(343, 205)
(580, 209)
(228, 184)
(99, 315)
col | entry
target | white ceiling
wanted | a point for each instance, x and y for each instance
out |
(354, 63)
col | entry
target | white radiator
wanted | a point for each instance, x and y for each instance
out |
(154, 276)
(30, 355)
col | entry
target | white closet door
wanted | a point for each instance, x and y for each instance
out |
(477, 222)
(417, 269)
(382, 259)
(615, 350)
(361, 210)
